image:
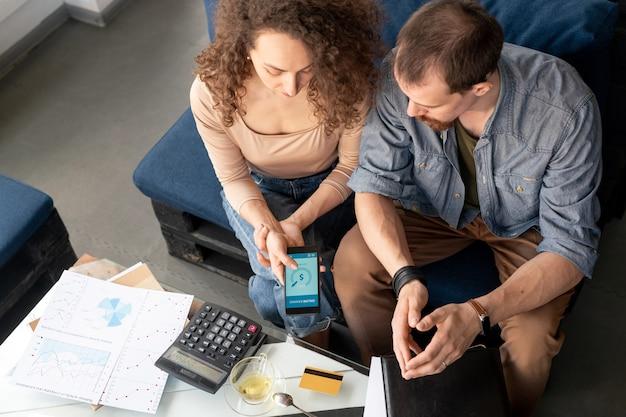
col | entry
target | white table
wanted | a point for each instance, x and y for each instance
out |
(179, 399)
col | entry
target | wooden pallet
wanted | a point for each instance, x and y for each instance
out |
(203, 243)
(43, 257)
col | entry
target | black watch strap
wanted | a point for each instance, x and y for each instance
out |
(405, 275)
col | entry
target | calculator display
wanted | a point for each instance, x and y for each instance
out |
(187, 362)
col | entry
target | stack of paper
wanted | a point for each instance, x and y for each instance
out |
(97, 342)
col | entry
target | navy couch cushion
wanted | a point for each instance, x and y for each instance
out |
(558, 27)
(579, 31)
(209, 9)
(23, 209)
(177, 171)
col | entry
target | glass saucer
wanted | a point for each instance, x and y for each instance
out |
(239, 406)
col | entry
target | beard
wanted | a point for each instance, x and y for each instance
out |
(434, 124)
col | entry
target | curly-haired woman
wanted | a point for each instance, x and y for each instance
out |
(279, 101)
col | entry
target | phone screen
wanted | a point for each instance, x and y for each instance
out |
(302, 284)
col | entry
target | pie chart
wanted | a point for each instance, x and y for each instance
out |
(114, 311)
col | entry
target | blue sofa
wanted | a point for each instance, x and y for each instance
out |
(34, 243)
(178, 177)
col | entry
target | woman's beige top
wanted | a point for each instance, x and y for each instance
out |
(237, 149)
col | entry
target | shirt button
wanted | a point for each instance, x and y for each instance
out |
(457, 195)
(519, 189)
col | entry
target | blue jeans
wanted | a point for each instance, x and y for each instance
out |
(283, 198)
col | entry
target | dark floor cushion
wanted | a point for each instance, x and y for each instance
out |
(23, 209)
(468, 274)
(177, 171)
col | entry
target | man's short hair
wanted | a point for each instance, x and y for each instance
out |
(456, 37)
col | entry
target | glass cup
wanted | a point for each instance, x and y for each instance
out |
(253, 378)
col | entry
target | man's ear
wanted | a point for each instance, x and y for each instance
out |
(480, 89)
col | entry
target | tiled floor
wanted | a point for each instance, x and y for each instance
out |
(78, 114)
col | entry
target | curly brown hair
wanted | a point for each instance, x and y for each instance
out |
(343, 37)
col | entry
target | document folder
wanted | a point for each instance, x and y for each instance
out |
(471, 386)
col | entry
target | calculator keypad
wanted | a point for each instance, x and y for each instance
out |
(219, 336)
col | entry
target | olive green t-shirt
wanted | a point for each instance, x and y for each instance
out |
(466, 144)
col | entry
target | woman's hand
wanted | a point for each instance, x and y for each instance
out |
(293, 232)
(273, 246)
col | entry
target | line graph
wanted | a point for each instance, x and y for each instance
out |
(67, 364)
(62, 307)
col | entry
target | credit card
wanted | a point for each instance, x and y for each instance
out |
(320, 380)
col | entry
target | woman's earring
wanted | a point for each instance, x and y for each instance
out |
(248, 58)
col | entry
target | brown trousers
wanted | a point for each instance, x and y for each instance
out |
(531, 339)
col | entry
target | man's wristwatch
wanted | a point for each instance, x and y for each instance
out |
(482, 316)
(405, 275)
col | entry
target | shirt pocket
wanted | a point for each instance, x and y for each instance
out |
(519, 195)
(429, 171)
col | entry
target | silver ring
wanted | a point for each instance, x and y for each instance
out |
(445, 365)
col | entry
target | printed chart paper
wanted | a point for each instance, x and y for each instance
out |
(136, 384)
(97, 338)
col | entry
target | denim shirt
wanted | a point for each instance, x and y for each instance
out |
(538, 160)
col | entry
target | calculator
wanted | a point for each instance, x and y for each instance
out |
(209, 346)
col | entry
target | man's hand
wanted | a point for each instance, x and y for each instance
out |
(457, 327)
(273, 246)
(411, 300)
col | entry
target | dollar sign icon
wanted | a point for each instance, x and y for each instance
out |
(301, 278)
